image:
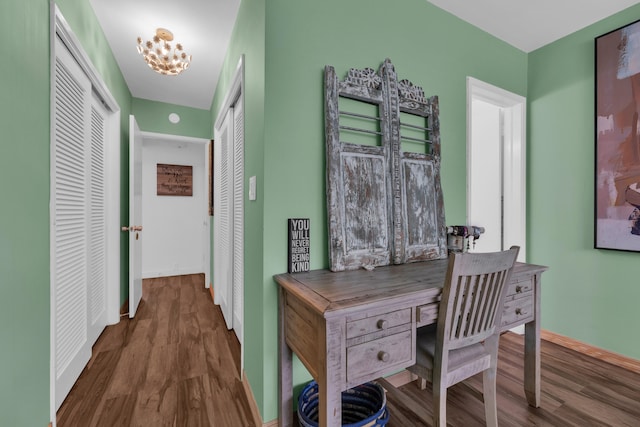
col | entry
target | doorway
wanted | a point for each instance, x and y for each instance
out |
(496, 166)
(174, 224)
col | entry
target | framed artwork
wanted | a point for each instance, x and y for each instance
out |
(617, 157)
(174, 180)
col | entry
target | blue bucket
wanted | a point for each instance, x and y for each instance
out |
(362, 406)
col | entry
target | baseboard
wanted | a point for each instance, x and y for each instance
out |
(592, 351)
(255, 412)
(211, 291)
(124, 308)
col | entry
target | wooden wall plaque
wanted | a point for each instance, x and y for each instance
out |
(175, 180)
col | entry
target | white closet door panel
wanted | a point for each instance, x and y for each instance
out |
(97, 229)
(224, 249)
(238, 218)
(70, 211)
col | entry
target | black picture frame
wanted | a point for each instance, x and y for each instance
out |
(617, 139)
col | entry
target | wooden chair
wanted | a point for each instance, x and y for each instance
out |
(465, 339)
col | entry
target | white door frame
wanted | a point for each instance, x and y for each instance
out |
(135, 216)
(206, 242)
(60, 28)
(236, 90)
(514, 109)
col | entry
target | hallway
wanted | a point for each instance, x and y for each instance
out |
(174, 364)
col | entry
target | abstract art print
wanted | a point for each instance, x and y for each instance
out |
(617, 174)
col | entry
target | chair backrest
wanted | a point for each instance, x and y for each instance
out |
(474, 294)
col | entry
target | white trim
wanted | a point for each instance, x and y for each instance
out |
(67, 36)
(113, 216)
(514, 151)
(206, 264)
(53, 14)
(206, 222)
(492, 94)
(174, 138)
(236, 90)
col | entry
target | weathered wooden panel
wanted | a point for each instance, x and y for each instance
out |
(301, 332)
(357, 187)
(365, 204)
(384, 206)
(423, 203)
(424, 224)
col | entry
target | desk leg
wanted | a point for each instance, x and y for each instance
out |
(285, 368)
(330, 377)
(532, 352)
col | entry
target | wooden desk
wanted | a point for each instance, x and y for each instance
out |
(354, 326)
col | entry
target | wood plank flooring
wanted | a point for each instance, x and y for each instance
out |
(577, 390)
(174, 364)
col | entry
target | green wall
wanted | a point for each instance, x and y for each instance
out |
(24, 229)
(248, 40)
(153, 116)
(427, 46)
(24, 190)
(589, 295)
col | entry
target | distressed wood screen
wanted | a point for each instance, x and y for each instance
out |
(384, 198)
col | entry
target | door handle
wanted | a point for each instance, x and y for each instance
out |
(132, 228)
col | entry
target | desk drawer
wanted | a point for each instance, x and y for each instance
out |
(379, 355)
(427, 314)
(518, 311)
(378, 323)
(519, 287)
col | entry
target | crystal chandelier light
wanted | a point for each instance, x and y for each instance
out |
(161, 56)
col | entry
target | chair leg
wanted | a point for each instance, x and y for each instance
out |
(490, 402)
(422, 383)
(439, 406)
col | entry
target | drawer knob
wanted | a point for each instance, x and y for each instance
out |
(383, 356)
(382, 324)
(518, 289)
(519, 311)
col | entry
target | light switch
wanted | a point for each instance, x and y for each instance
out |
(252, 188)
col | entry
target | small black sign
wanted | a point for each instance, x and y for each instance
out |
(298, 245)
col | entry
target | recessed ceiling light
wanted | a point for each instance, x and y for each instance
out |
(174, 118)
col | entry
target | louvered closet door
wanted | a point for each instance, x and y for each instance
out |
(97, 303)
(78, 221)
(223, 254)
(70, 208)
(238, 218)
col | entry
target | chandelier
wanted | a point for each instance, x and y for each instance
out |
(161, 56)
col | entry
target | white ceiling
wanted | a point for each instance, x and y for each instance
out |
(531, 24)
(204, 28)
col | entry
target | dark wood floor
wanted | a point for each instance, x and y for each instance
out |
(577, 390)
(175, 364)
